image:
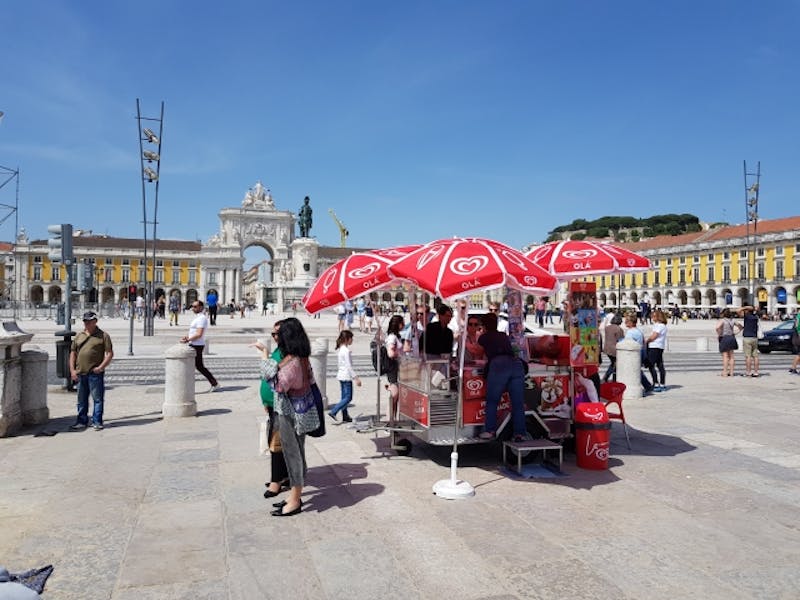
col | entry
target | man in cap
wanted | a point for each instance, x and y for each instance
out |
(89, 356)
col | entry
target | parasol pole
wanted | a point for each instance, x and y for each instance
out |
(453, 488)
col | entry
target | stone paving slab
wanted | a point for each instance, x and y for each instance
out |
(704, 504)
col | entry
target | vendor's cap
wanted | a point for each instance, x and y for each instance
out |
(90, 316)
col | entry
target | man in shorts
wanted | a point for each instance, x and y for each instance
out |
(750, 340)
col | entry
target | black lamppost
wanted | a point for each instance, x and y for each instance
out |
(752, 183)
(150, 161)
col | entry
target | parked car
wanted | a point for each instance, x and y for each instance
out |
(778, 338)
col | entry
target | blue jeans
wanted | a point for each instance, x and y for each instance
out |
(505, 375)
(347, 397)
(94, 383)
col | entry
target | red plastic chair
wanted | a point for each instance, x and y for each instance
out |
(611, 393)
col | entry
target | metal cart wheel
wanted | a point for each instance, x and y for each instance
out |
(402, 447)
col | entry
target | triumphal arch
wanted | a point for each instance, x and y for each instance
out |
(292, 267)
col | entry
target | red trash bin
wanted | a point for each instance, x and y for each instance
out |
(592, 435)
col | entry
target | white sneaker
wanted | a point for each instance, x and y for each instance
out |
(213, 388)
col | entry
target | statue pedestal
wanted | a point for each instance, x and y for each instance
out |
(304, 262)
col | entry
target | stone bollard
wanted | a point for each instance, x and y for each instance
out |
(629, 365)
(11, 340)
(34, 387)
(179, 383)
(701, 344)
(319, 363)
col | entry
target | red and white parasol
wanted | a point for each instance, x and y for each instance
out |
(574, 258)
(461, 266)
(353, 276)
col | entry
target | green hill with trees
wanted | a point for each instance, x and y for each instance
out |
(626, 228)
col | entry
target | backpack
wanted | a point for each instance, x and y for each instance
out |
(387, 364)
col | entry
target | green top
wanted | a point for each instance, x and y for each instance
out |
(267, 394)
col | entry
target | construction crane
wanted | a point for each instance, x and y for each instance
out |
(343, 233)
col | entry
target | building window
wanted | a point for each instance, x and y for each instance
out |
(726, 256)
(159, 263)
(696, 275)
(710, 257)
(37, 260)
(159, 276)
(742, 271)
(56, 274)
(760, 252)
(797, 268)
(682, 260)
(644, 278)
(141, 262)
(779, 269)
(126, 262)
(192, 264)
(742, 253)
(726, 273)
(682, 276)
(108, 275)
(669, 262)
(212, 279)
(656, 278)
(176, 264)
(669, 277)
(176, 277)
(778, 250)
(126, 275)
(760, 270)
(710, 274)
(192, 278)
(37, 273)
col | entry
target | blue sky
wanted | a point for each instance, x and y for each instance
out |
(412, 120)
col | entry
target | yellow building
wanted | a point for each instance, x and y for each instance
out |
(714, 268)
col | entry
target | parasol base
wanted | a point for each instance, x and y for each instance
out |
(453, 490)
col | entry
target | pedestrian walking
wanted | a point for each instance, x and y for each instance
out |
(345, 374)
(796, 345)
(89, 356)
(212, 301)
(174, 308)
(197, 340)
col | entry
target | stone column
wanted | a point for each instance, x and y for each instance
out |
(319, 363)
(34, 388)
(629, 364)
(304, 261)
(179, 384)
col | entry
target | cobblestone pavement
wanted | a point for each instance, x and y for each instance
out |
(703, 504)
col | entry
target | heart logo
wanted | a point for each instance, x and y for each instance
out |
(365, 271)
(429, 255)
(579, 254)
(329, 279)
(475, 385)
(466, 267)
(514, 259)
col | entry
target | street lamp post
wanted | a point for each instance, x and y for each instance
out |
(752, 183)
(150, 163)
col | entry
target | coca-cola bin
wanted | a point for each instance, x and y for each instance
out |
(592, 434)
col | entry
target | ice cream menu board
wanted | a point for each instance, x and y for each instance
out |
(583, 338)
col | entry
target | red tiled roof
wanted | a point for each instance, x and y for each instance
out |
(99, 241)
(717, 234)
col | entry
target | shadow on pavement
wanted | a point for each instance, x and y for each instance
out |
(333, 486)
(213, 411)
